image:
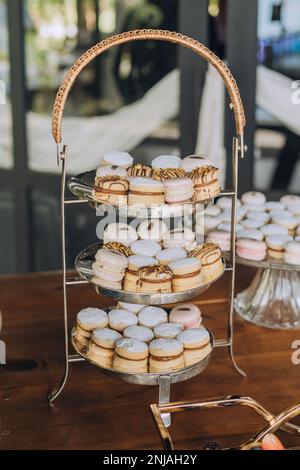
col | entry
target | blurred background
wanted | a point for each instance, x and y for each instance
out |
(148, 98)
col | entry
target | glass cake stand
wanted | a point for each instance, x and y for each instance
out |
(273, 297)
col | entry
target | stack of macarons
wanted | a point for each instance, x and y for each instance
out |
(169, 180)
(159, 260)
(265, 229)
(135, 338)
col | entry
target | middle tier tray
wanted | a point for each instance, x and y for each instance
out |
(83, 264)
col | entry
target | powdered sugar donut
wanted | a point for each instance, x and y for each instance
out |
(171, 254)
(145, 247)
(167, 330)
(152, 316)
(120, 319)
(166, 161)
(139, 332)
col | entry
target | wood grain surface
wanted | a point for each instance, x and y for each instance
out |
(96, 411)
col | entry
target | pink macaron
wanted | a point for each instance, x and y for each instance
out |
(251, 249)
(178, 190)
(187, 315)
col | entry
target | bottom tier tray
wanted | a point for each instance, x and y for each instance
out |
(83, 264)
(150, 378)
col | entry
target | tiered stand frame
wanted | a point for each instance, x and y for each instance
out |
(238, 149)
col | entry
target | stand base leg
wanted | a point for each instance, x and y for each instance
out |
(164, 397)
(57, 391)
(272, 300)
(233, 361)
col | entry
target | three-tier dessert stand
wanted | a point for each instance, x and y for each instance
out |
(83, 193)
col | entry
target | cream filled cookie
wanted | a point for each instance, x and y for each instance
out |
(253, 198)
(145, 247)
(90, 318)
(250, 233)
(179, 190)
(262, 217)
(186, 274)
(251, 249)
(289, 221)
(119, 319)
(273, 206)
(145, 191)
(171, 254)
(273, 229)
(117, 158)
(131, 355)
(251, 223)
(119, 247)
(178, 237)
(120, 232)
(166, 161)
(290, 199)
(165, 355)
(152, 316)
(292, 252)
(136, 262)
(192, 162)
(109, 268)
(219, 237)
(187, 315)
(206, 183)
(102, 345)
(163, 174)
(111, 189)
(196, 344)
(152, 229)
(155, 279)
(211, 261)
(275, 245)
(139, 332)
(167, 330)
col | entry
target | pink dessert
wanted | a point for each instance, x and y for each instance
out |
(178, 190)
(187, 315)
(251, 249)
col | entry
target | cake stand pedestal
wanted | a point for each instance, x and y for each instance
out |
(273, 298)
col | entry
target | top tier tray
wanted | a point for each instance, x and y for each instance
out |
(82, 186)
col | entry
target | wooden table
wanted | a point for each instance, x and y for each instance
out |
(96, 411)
